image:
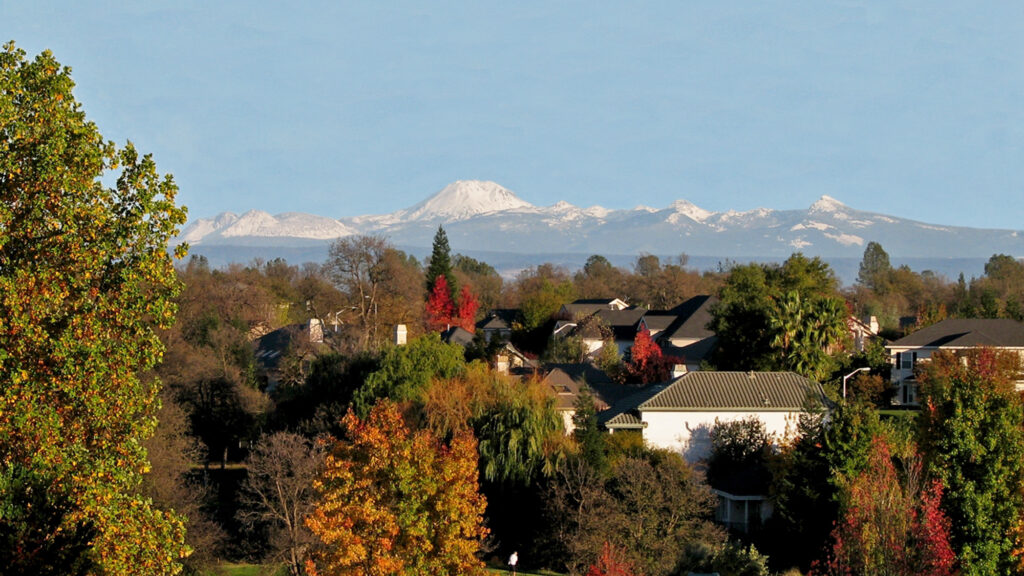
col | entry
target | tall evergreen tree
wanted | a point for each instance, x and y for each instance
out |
(875, 270)
(441, 263)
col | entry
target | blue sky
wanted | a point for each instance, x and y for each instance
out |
(914, 109)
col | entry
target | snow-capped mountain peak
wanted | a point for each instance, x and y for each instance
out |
(257, 223)
(464, 199)
(690, 210)
(827, 204)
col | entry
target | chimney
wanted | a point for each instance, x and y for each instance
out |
(678, 370)
(501, 364)
(316, 331)
(401, 335)
(873, 324)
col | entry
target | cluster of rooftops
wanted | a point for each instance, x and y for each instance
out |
(678, 413)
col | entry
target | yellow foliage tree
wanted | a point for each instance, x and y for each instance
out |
(397, 501)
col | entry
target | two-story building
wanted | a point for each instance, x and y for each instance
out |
(952, 335)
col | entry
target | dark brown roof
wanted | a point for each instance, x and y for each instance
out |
(567, 380)
(563, 388)
(694, 316)
(761, 391)
(965, 332)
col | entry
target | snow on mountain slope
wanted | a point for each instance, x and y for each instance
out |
(828, 205)
(464, 199)
(257, 223)
(485, 216)
(684, 209)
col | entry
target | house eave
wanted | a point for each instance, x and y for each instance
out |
(725, 409)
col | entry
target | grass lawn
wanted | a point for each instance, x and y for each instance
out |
(522, 573)
(260, 570)
(246, 570)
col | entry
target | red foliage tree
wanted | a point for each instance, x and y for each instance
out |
(440, 307)
(890, 526)
(647, 363)
(443, 312)
(610, 564)
(466, 310)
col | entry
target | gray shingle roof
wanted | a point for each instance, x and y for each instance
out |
(457, 335)
(966, 332)
(498, 319)
(623, 323)
(625, 421)
(761, 391)
(694, 316)
(624, 415)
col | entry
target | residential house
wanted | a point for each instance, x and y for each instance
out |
(301, 341)
(618, 325)
(565, 382)
(686, 336)
(585, 307)
(457, 335)
(498, 324)
(509, 359)
(623, 324)
(624, 414)
(862, 331)
(952, 335)
(681, 416)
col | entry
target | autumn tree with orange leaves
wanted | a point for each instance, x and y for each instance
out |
(397, 501)
(610, 563)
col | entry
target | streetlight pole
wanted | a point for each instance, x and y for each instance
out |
(847, 377)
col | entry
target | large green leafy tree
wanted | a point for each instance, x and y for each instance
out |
(405, 372)
(780, 317)
(85, 278)
(973, 440)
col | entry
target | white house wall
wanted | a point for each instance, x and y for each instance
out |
(689, 432)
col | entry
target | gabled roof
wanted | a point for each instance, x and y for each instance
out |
(727, 391)
(625, 414)
(693, 318)
(457, 335)
(498, 319)
(566, 381)
(623, 323)
(657, 321)
(562, 387)
(587, 306)
(272, 346)
(965, 333)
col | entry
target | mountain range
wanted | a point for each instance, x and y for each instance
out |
(485, 218)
